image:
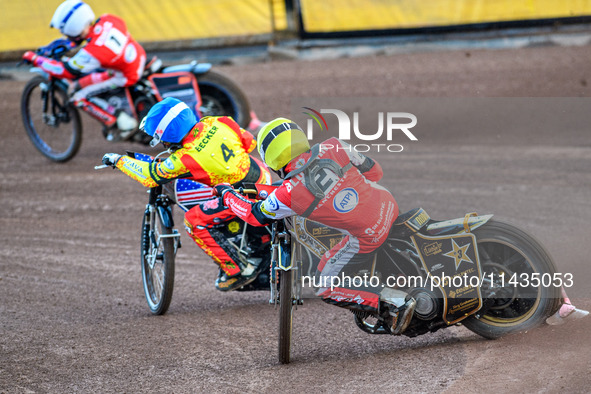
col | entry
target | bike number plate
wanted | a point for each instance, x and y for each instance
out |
(453, 265)
(180, 85)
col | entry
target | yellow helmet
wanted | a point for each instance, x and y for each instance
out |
(280, 141)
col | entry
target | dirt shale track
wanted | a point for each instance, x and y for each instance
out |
(72, 313)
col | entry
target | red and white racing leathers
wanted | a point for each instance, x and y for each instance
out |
(349, 200)
(109, 46)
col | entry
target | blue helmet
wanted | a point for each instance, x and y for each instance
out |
(170, 120)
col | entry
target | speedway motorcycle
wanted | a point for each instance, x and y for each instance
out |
(160, 240)
(475, 271)
(53, 123)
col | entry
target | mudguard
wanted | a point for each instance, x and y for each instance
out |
(58, 82)
(285, 261)
(38, 70)
(165, 214)
(193, 67)
(458, 225)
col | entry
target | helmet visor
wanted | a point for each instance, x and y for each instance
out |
(273, 133)
(156, 138)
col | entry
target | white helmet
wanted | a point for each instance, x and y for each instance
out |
(72, 17)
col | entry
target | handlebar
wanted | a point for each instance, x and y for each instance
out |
(248, 191)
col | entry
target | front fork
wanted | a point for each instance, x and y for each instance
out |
(52, 114)
(283, 258)
(158, 205)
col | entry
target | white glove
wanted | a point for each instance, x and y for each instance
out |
(111, 159)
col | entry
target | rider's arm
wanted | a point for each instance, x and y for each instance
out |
(152, 174)
(52, 67)
(79, 64)
(370, 168)
(263, 212)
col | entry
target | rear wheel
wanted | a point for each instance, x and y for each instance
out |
(157, 258)
(506, 252)
(221, 96)
(52, 123)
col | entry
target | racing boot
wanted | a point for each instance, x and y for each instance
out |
(247, 275)
(399, 308)
(127, 125)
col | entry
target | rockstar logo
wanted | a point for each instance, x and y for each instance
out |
(458, 253)
(234, 227)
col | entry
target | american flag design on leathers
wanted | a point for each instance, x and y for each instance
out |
(142, 157)
(190, 193)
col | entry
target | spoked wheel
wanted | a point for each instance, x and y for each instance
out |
(52, 123)
(157, 255)
(221, 96)
(286, 307)
(507, 252)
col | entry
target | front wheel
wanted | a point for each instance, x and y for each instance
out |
(221, 96)
(507, 252)
(157, 259)
(286, 307)
(52, 123)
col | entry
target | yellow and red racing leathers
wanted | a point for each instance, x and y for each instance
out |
(215, 151)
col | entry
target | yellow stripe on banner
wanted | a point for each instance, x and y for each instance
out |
(352, 15)
(25, 24)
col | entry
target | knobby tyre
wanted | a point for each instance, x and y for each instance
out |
(221, 96)
(285, 315)
(57, 134)
(157, 261)
(505, 250)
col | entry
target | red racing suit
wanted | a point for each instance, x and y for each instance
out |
(109, 46)
(333, 185)
(215, 151)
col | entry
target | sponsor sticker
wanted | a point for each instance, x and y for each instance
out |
(168, 164)
(346, 200)
(130, 53)
(272, 203)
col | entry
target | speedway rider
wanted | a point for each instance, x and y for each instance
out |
(110, 59)
(334, 185)
(211, 151)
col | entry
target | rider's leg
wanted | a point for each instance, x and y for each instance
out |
(202, 223)
(96, 83)
(337, 285)
(97, 112)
